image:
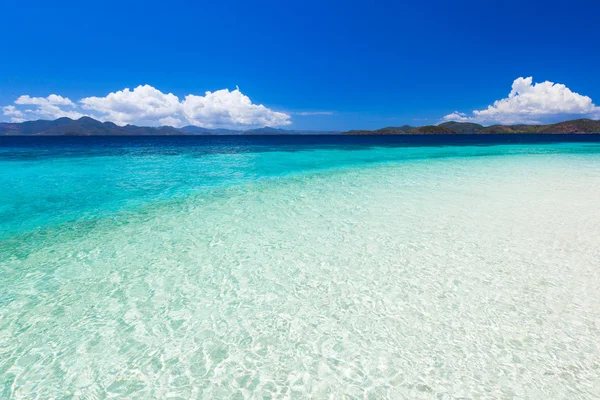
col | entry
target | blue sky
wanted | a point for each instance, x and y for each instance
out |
(357, 64)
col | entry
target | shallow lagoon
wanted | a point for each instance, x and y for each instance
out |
(295, 268)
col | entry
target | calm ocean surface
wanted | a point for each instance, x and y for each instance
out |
(433, 267)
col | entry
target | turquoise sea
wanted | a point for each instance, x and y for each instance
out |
(300, 267)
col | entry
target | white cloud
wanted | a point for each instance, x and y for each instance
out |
(143, 105)
(457, 116)
(224, 108)
(146, 105)
(50, 100)
(14, 114)
(532, 103)
(12, 111)
(44, 108)
(170, 121)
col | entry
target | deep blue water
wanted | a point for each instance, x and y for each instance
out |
(229, 144)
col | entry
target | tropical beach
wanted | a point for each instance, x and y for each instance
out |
(299, 271)
(299, 200)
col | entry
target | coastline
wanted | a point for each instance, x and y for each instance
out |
(360, 269)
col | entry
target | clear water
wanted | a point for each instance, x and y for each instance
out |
(298, 268)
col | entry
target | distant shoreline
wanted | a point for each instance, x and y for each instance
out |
(577, 127)
(86, 126)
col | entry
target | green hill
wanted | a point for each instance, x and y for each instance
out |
(432, 130)
(577, 126)
(86, 126)
(462, 127)
(405, 130)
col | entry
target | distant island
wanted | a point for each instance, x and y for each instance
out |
(576, 126)
(86, 126)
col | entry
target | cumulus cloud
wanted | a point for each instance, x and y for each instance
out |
(233, 108)
(532, 103)
(12, 111)
(146, 105)
(50, 107)
(143, 105)
(50, 100)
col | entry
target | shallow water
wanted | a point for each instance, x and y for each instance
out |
(295, 271)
